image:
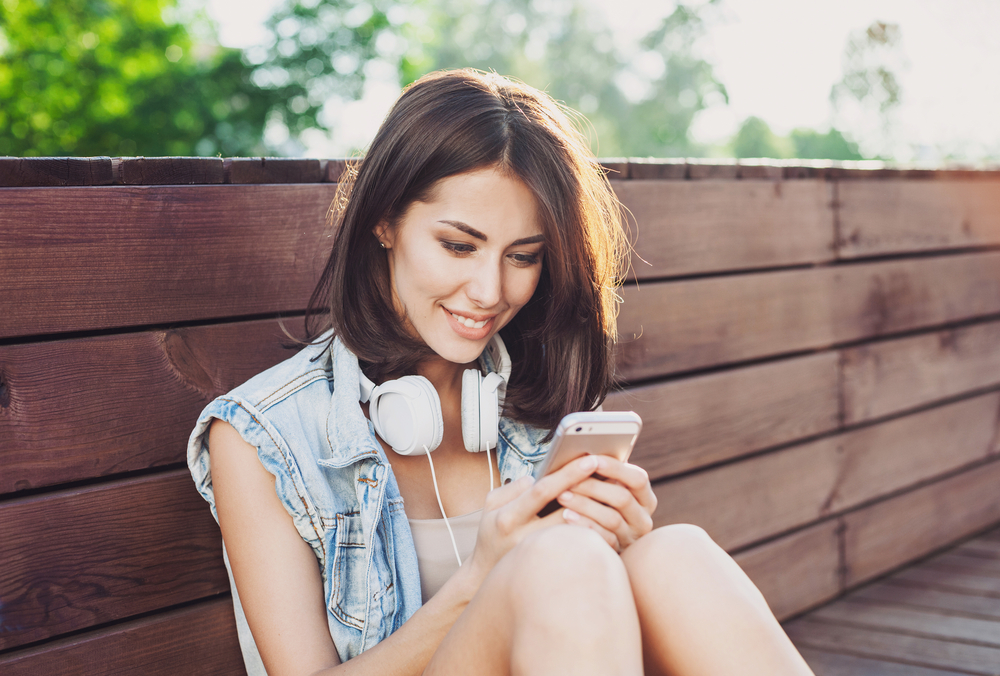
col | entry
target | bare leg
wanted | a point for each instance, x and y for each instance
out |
(700, 614)
(558, 603)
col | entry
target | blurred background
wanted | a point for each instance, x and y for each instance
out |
(911, 81)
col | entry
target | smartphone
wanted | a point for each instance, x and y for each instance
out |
(590, 432)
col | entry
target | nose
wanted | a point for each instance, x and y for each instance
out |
(485, 287)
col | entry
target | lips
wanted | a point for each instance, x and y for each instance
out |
(469, 327)
(469, 322)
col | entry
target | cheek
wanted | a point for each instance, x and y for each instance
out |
(523, 286)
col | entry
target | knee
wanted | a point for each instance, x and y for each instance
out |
(568, 555)
(670, 550)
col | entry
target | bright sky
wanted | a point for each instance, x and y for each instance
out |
(778, 60)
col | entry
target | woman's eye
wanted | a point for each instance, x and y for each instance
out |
(525, 259)
(458, 247)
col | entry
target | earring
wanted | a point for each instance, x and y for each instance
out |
(382, 244)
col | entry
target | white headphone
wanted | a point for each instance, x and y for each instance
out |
(406, 412)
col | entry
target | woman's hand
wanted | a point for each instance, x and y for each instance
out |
(511, 513)
(620, 509)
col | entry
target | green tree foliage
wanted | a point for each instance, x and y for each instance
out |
(639, 104)
(868, 75)
(318, 52)
(100, 77)
(755, 139)
(811, 144)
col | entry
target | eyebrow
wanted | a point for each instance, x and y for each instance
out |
(472, 232)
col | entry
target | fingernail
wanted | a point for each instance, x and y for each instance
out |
(570, 515)
(589, 463)
(566, 496)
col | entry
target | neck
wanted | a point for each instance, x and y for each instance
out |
(445, 376)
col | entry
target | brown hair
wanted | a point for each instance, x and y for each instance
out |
(451, 122)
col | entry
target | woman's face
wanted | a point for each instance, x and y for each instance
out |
(462, 264)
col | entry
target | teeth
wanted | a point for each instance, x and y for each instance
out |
(468, 322)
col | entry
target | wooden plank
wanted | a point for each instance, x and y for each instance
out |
(16, 172)
(657, 169)
(887, 377)
(881, 217)
(687, 227)
(273, 170)
(903, 593)
(93, 407)
(981, 547)
(706, 322)
(922, 622)
(834, 664)
(903, 648)
(80, 558)
(169, 170)
(797, 571)
(334, 170)
(951, 580)
(716, 169)
(963, 563)
(795, 486)
(748, 409)
(908, 526)
(200, 639)
(96, 258)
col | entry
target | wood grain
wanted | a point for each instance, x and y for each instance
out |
(93, 407)
(693, 422)
(169, 170)
(100, 258)
(916, 523)
(200, 639)
(920, 651)
(903, 593)
(795, 486)
(888, 377)
(835, 664)
(881, 217)
(273, 170)
(80, 558)
(923, 622)
(713, 321)
(18, 172)
(797, 571)
(686, 227)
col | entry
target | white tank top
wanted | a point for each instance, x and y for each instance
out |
(435, 555)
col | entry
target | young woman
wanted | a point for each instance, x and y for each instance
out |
(478, 213)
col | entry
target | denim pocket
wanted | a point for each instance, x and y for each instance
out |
(350, 562)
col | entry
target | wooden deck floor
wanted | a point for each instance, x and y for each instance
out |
(940, 616)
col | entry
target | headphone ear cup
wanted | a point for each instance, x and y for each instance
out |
(471, 424)
(407, 414)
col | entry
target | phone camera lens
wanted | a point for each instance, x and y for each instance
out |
(579, 429)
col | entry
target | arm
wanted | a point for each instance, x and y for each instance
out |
(281, 588)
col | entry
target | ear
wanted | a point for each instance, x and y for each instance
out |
(384, 234)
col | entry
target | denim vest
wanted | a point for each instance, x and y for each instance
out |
(332, 476)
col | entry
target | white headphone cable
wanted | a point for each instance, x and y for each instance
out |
(489, 462)
(441, 506)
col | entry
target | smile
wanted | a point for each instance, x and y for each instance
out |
(468, 322)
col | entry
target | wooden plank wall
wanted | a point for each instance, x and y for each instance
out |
(815, 351)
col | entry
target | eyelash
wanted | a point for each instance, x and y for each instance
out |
(520, 259)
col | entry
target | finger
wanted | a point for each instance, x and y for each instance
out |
(502, 495)
(576, 519)
(628, 524)
(548, 487)
(632, 477)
